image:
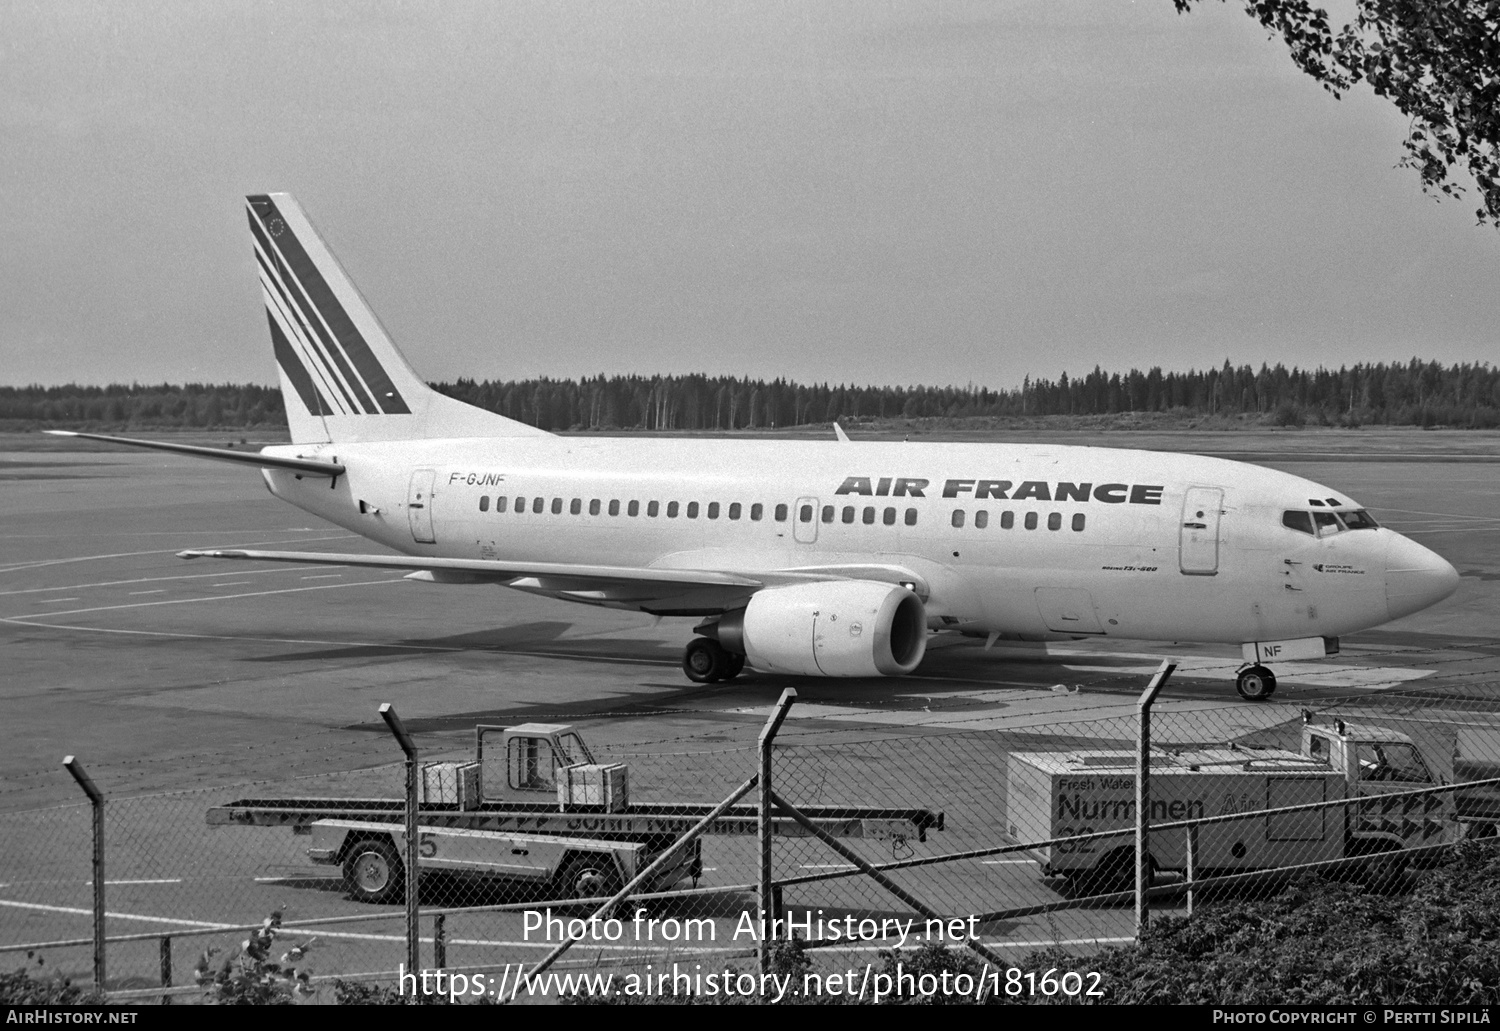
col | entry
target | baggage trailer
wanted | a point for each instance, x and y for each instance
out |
(533, 807)
(1062, 794)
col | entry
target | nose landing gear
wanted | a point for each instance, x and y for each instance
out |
(1255, 684)
(706, 661)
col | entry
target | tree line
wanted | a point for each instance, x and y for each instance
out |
(1413, 393)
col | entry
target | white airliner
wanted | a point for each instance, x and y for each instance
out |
(832, 559)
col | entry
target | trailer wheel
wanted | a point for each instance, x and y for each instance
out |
(373, 871)
(587, 877)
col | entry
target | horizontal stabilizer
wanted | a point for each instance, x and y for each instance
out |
(306, 466)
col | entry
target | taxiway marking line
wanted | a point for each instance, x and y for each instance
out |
(159, 590)
(231, 583)
(1005, 862)
(319, 932)
(192, 601)
(160, 551)
(142, 580)
(35, 620)
(324, 576)
(58, 601)
(1456, 529)
(147, 880)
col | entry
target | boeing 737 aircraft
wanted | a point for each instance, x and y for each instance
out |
(833, 559)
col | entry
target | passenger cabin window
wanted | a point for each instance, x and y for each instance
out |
(484, 503)
(520, 505)
(692, 510)
(1054, 521)
(1078, 522)
(614, 507)
(633, 509)
(500, 503)
(805, 514)
(1391, 761)
(557, 506)
(1031, 520)
(889, 517)
(671, 510)
(1007, 520)
(868, 517)
(827, 513)
(575, 507)
(594, 506)
(911, 517)
(1299, 521)
(713, 510)
(734, 510)
(981, 519)
(652, 508)
(537, 504)
(958, 517)
(848, 513)
(757, 510)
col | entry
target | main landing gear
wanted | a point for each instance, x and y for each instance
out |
(1255, 684)
(706, 661)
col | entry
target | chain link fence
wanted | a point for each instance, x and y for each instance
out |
(1001, 834)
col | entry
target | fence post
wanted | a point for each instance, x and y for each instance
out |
(1143, 796)
(96, 802)
(1192, 863)
(440, 941)
(413, 929)
(770, 896)
(166, 967)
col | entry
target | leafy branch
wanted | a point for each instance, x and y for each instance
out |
(1438, 61)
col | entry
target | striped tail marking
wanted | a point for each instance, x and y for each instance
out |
(317, 345)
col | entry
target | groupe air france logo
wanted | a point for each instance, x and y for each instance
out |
(1005, 490)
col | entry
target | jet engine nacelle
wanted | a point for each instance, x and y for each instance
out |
(839, 628)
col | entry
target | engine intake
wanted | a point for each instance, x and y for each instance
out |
(840, 628)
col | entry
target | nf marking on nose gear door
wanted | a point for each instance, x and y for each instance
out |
(419, 506)
(1199, 543)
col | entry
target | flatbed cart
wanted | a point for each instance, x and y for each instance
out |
(487, 819)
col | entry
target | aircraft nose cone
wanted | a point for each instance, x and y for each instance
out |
(1415, 577)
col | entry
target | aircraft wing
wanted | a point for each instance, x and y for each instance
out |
(306, 466)
(608, 582)
(490, 570)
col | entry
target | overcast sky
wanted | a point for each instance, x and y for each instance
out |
(880, 193)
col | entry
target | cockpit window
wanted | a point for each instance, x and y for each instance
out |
(1359, 520)
(1299, 521)
(1327, 523)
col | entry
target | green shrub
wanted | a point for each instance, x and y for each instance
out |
(247, 976)
(23, 988)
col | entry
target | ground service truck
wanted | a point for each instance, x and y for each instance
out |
(1062, 794)
(533, 807)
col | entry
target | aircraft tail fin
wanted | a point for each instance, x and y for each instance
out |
(342, 378)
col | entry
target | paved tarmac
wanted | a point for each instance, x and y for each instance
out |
(161, 675)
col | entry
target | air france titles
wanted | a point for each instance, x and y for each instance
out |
(1005, 490)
